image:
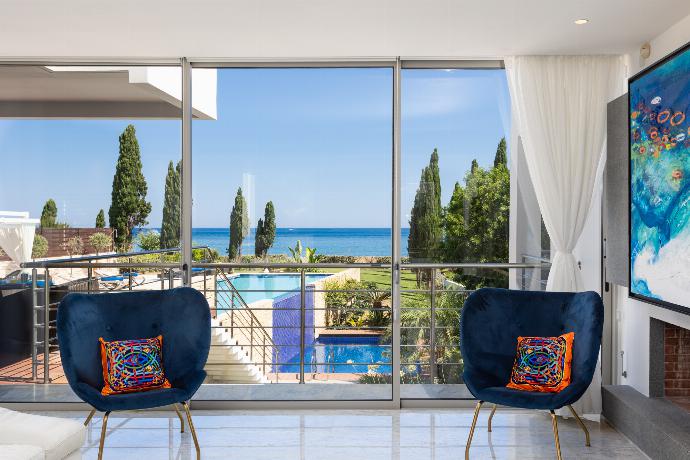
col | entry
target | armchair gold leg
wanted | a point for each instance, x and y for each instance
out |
(103, 430)
(90, 416)
(474, 423)
(491, 416)
(179, 415)
(554, 422)
(191, 428)
(582, 425)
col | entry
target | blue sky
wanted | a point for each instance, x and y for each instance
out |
(317, 142)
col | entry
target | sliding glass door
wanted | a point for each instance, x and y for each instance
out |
(292, 195)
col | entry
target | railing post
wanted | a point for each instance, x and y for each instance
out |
(251, 338)
(263, 352)
(46, 327)
(432, 328)
(232, 321)
(162, 272)
(171, 278)
(34, 329)
(215, 293)
(89, 275)
(302, 326)
(129, 273)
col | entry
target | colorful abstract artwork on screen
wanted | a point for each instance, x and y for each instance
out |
(659, 182)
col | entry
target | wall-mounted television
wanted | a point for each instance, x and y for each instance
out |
(659, 185)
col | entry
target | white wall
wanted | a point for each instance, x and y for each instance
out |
(632, 316)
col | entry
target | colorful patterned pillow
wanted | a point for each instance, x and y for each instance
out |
(543, 363)
(132, 365)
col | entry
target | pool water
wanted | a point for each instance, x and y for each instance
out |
(268, 282)
(342, 354)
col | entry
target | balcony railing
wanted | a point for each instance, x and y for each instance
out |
(331, 322)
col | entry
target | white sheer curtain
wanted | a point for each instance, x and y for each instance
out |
(17, 235)
(560, 107)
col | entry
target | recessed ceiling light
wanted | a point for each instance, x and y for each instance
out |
(581, 22)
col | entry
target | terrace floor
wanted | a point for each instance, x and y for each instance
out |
(406, 434)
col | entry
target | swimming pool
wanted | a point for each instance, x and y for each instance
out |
(343, 354)
(282, 283)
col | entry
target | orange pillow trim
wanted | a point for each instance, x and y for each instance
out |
(543, 364)
(132, 365)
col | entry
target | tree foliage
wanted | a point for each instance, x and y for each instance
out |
(100, 242)
(129, 208)
(75, 246)
(100, 219)
(170, 227)
(426, 216)
(40, 247)
(49, 214)
(501, 157)
(476, 221)
(265, 231)
(237, 226)
(149, 241)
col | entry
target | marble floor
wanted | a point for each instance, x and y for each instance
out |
(417, 434)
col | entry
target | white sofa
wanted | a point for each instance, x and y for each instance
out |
(37, 437)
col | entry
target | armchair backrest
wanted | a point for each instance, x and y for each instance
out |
(492, 319)
(181, 315)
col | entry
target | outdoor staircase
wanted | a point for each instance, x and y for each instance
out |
(228, 362)
(241, 349)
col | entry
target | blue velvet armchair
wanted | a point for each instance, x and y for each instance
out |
(490, 323)
(182, 316)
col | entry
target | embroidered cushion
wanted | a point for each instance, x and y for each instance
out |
(132, 365)
(542, 363)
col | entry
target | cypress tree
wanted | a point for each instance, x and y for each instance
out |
(170, 227)
(49, 214)
(237, 226)
(259, 239)
(129, 208)
(474, 167)
(501, 157)
(100, 219)
(265, 231)
(426, 216)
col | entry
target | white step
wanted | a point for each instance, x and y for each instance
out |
(230, 363)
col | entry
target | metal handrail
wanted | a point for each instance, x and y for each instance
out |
(260, 341)
(113, 255)
(77, 263)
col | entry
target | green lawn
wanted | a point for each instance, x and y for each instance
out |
(382, 278)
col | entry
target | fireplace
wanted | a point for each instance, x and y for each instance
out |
(669, 362)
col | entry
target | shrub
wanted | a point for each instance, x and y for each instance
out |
(40, 247)
(339, 299)
(75, 246)
(149, 241)
(100, 242)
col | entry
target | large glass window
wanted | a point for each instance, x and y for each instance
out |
(89, 156)
(292, 168)
(296, 168)
(455, 201)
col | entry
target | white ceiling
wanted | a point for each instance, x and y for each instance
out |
(329, 28)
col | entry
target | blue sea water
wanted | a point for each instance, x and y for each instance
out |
(331, 241)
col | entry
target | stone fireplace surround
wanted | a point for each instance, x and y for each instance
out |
(658, 424)
(669, 362)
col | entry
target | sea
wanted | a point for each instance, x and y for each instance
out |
(327, 241)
